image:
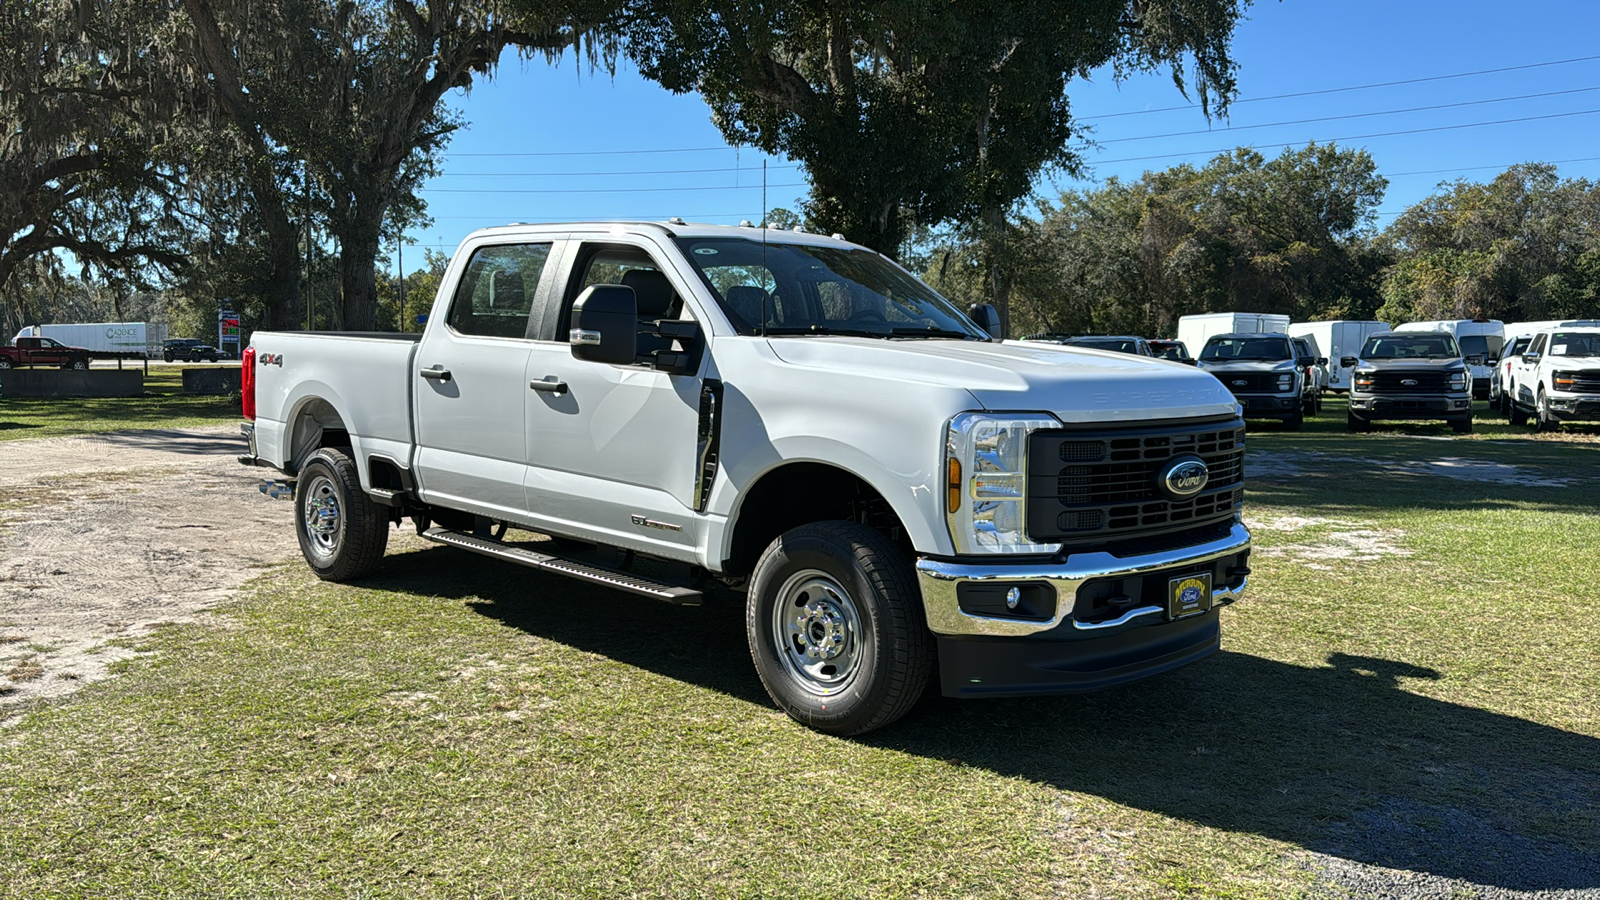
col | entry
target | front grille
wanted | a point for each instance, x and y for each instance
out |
(1394, 383)
(1092, 487)
(1252, 382)
(1582, 382)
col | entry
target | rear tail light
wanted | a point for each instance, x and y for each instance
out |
(247, 383)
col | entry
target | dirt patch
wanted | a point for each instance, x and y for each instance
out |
(1478, 470)
(104, 537)
(1338, 540)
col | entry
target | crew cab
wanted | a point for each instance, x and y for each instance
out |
(1410, 375)
(43, 351)
(1262, 370)
(1556, 379)
(900, 495)
(1502, 384)
(1315, 369)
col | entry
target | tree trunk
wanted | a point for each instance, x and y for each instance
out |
(1000, 273)
(358, 256)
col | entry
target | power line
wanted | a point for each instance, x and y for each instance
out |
(590, 174)
(1480, 168)
(1387, 112)
(601, 152)
(1353, 137)
(1357, 87)
(722, 187)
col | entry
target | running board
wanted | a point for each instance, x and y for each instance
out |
(625, 581)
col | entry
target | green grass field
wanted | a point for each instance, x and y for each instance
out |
(164, 405)
(1410, 682)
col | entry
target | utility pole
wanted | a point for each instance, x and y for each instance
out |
(311, 304)
(400, 251)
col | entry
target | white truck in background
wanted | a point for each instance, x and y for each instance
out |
(1480, 342)
(1337, 339)
(1195, 330)
(105, 339)
(1556, 379)
(898, 493)
(1518, 335)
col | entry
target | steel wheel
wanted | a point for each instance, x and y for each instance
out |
(817, 629)
(323, 519)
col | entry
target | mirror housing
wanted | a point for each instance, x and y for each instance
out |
(605, 325)
(1530, 357)
(1492, 361)
(1322, 360)
(1476, 359)
(1349, 362)
(985, 316)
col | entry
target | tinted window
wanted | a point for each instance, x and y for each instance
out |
(1481, 344)
(497, 291)
(1537, 346)
(1112, 344)
(1222, 349)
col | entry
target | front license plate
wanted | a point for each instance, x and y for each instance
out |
(1188, 595)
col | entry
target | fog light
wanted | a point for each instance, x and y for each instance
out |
(1013, 597)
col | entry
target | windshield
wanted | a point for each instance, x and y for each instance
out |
(1224, 349)
(793, 289)
(1481, 344)
(1117, 345)
(1568, 343)
(1411, 346)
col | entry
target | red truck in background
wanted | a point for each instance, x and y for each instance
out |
(43, 351)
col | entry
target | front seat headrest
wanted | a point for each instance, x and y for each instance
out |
(652, 290)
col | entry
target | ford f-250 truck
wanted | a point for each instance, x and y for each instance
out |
(898, 492)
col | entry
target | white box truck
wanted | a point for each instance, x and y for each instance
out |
(1195, 330)
(104, 338)
(1480, 341)
(1336, 340)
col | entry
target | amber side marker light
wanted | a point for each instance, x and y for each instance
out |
(953, 486)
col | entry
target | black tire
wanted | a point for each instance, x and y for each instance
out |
(5, 362)
(1462, 426)
(1515, 414)
(1356, 424)
(167, 356)
(351, 534)
(77, 365)
(1294, 422)
(851, 592)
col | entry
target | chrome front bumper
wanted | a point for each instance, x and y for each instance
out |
(939, 581)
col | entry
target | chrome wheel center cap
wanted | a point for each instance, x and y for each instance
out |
(821, 627)
(322, 516)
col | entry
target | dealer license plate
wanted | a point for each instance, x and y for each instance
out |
(1188, 595)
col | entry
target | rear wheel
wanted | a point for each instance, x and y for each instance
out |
(342, 532)
(5, 362)
(77, 365)
(1514, 413)
(835, 628)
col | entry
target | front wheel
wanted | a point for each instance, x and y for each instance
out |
(836, 629)
(1356, 424)
(1294, 422)
(342, 532)
(1462, 426)
(77, 365)
(1542, 419)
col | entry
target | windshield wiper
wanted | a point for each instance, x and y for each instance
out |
(931, 331)
(824, 330)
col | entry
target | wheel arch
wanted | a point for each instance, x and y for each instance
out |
(798, 492)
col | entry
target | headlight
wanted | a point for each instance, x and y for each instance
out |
(986, 482)
(1458, 381)
(1286, 381)
(1363, 379)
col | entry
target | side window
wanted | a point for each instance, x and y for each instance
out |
(1537, 346)
(631, 267)
(497, 291)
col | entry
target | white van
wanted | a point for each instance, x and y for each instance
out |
(1336, 340)
(1195, 330)
(1480, 341)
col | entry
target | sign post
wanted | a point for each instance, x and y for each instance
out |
(228, 332)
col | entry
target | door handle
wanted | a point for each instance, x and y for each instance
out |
(549, 385)
(437, 373)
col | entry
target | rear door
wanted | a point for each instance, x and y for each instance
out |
(469, 384)
(1525, 374)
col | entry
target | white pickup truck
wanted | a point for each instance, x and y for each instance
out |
(898, 492)
(1556, 379)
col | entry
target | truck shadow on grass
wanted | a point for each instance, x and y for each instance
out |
(1339, 759)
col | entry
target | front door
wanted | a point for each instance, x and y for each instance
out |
(612, 451)
(470, 387)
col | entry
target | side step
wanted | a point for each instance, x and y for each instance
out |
(625, 581)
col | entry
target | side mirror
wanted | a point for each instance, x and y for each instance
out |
(605, 325)
(985, 316)
(1530, 357)
(1193, 362)
(1475, 359)
(1492, 361)
(1349, 362)
(1322, 360)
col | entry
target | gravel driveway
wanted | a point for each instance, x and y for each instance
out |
(106, 536)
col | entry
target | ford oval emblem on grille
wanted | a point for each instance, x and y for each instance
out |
(1183, 477)
(1409, 382)
(1240, 383)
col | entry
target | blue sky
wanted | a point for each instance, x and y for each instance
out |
(542, 141)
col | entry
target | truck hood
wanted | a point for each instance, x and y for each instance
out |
(1251, 365)
(1410, 365)
(1077, 385)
